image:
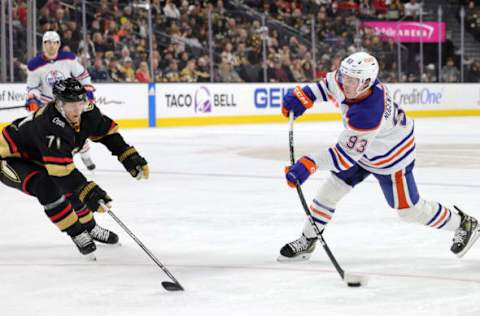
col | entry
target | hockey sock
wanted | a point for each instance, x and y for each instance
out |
(62, 215)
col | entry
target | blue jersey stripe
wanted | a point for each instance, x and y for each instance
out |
(393, 149)
(319, 221)
(344, 154)
(400, 159)
(323, 206)
(436, 215)
(324, 96)
(334, 159)
(448, 219)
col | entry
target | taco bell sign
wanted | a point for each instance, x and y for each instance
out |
(408, 32)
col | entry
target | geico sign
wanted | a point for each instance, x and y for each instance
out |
(417, 97)
(269, 97)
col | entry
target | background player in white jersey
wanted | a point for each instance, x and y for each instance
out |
(378, 139)
(49, 67)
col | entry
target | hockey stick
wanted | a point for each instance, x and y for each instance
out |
(351, 279)
(169, 286)
(12, 107)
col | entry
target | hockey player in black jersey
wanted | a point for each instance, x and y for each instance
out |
(36, 157)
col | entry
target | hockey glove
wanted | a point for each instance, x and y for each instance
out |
(134, 163)
(32, 104)
(92, 195)
(300, 171)
(297, 100)
(89, 93)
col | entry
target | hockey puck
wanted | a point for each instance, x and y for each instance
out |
(354, 284)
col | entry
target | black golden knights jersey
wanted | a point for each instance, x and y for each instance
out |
(45, 137)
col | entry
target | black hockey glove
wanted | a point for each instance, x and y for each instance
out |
(134, 163)
(92, 195)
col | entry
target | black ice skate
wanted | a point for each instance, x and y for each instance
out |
(87, 161)
(103, 235)
(465, 235)
(85, 244)
(298, 250)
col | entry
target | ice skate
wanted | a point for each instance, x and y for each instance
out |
(298, 250)
(87, 161)
(103, 235)
(465, 235)
(85, 244)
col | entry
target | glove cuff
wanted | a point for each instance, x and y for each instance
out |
(85, 190)
(127, 153)
(308, 163)
(303, 97)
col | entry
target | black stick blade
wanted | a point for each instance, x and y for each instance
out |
(171, 286)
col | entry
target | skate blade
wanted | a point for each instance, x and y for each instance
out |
(117, 245)
(472, 240)
(91, 257)
(299, 258)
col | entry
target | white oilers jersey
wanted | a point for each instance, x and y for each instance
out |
(43, 73)
(378, 136)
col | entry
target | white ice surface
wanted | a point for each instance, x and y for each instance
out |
(216, 212)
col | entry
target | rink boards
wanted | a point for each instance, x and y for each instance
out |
(183, 104)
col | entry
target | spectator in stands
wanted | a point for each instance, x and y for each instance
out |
(366, 9)
(170, 10)
(87, 54)
(203, 71)
(171, 73)
(227, 73)
(297, 71)
(473, 73)
(19, 71)
(183, 60)
(98, 44)
(280, 72)
(189, 73)
(412, 9)
(380, 7)
(128, 70)
(182, 33)
(98, 72)
(430, 74)
(114, 71)
(142, 74)
(450, 72)
(395, 9)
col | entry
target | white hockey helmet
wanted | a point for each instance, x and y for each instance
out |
(359, 65)
(51, 36)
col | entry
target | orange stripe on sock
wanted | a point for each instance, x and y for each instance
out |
(320, 213)
(402, 199)
(445, 212)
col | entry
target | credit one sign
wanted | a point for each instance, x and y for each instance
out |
(408, 32)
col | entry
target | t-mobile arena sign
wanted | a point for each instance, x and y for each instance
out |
(410, 32)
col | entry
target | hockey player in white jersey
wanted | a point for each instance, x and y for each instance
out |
(378, 139)
(49, 67)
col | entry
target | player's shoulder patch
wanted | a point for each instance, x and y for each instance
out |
(36, 62)
(62, 55)
(367, 114)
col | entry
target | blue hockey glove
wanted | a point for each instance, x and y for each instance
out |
(297, 100)
(300, 171)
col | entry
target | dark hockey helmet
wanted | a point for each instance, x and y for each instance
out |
(69, 90)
